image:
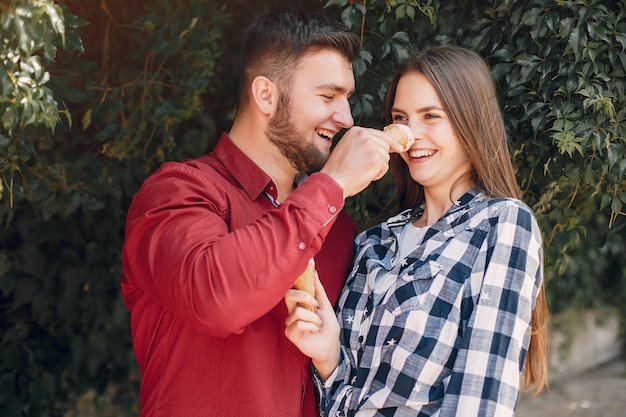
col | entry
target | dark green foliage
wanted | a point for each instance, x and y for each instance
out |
(142, 90)
(95, 95)
(560, 68)
(560, 71)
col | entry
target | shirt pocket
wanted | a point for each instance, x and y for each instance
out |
(412, 286)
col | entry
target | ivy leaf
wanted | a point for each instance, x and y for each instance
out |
(400, 46)
(499, 71)
(366, 56)
(74, 22)
(612, 151)
(10, 119)
(74, 42)
(49, 207)
(573, 42)
(359, 67)
(353, 15)
(338, 3)
(568, 142)
(616, 205)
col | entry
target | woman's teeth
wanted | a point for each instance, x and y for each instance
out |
(420, 153)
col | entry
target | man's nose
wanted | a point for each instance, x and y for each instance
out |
(343, 115)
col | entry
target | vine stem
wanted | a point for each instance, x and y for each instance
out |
(613, 217)
(363, 22)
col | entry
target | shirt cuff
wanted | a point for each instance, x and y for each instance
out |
(339, 373)
(330, 380)
(321, 195)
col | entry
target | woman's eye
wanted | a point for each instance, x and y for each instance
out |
(398, 117)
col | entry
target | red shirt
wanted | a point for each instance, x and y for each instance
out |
(207, 260)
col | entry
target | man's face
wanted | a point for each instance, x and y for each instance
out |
(313, 109)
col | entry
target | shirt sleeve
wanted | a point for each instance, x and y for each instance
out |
(180, 249)
(486, 373)
(336, 391)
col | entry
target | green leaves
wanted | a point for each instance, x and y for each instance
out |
(570, 69)
(31, 30)
(568, 97)
(567, 141)
(560, 70)
(575, 106)
(386, 29)
(177, 49)
(143, 70)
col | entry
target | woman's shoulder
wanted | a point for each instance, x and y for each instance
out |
(497, 204)
(509, 212)
(509, 205)
(488, 211)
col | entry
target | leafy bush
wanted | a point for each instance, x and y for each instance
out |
(87, 111)
(137, 96)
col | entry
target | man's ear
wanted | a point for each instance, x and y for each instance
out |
(265, 95)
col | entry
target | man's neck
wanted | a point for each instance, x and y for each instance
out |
(267, 157)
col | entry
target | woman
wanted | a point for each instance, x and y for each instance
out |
(444, 309)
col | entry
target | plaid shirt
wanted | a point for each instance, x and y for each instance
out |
(449, 334)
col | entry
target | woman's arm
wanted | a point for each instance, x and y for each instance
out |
(486, 372)
(315, 333)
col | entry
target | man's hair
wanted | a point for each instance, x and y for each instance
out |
(279, 36)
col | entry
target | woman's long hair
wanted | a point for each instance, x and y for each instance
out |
(467, 92)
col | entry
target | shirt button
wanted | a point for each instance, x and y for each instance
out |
(332, 209)
(301, 246)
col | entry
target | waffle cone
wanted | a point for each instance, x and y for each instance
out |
(306, 281)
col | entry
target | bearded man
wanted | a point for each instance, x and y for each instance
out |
(213, 244)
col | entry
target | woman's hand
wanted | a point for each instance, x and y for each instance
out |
(316, 334)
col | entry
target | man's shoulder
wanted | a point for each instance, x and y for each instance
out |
(204, 170)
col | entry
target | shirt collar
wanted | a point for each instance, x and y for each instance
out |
(404, 217)
(251, 178)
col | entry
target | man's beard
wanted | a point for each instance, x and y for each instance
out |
(283, 132)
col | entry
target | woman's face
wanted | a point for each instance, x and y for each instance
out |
(436, 160)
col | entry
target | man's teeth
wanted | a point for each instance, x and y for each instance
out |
(421, 153)
(325, 133)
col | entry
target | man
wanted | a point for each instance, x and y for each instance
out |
(213, 244)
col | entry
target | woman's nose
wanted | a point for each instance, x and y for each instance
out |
(417, 129)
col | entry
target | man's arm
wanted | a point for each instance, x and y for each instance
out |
(181, 252)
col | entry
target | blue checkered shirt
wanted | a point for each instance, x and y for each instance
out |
(447, 336)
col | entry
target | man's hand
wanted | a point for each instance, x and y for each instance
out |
(360, 157)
